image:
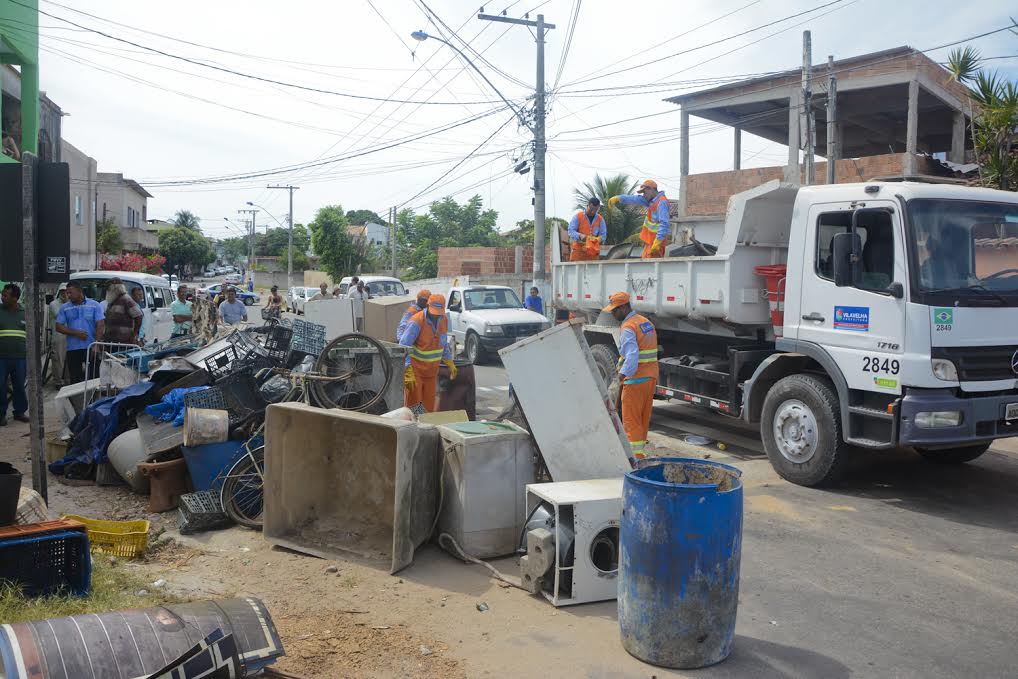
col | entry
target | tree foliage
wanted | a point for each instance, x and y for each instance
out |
(622, 221)
(183, 246)
(361, 217)
(523, 234)
(333, 245)
(107, 237)
(235, 250)
(187, 219)
(300, 260)
(446, 224)
(273, 241)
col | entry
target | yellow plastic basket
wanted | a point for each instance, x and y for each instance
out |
(126, 539)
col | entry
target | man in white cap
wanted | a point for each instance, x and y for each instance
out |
(58, 342)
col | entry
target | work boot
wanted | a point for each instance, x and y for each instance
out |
(20, 418)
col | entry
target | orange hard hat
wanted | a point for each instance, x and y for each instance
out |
(424, 293)
(617, 300)
(649, 183)
(436, 305)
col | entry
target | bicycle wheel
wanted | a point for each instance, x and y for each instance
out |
(361, 369)
(242, 493)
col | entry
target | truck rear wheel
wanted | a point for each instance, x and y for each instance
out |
(801, 431)
(954, 455)
(605, 357)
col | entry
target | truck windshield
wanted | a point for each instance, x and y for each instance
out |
(965, 249)
(491, 299)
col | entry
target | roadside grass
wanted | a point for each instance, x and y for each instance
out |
(114, 588)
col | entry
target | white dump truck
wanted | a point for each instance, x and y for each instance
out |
(900, 319)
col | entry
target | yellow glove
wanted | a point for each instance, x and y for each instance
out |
(656, 247)
(452, 368)
(409, 381)
(613, 201)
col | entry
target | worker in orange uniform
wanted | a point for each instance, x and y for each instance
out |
(656, 228)
(426, 335)
(416, 306)
(638, 372)
(586, 225)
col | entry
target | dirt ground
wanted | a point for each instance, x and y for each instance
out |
(910, 571)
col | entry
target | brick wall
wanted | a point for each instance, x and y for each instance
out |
(708, 193)
(485, 261)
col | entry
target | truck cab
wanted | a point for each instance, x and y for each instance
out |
(486, 318)
(900, 320)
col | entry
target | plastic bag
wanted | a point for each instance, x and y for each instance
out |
(171, 408)
(275, 389)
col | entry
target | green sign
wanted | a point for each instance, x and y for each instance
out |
(943, 315)
(885, 382)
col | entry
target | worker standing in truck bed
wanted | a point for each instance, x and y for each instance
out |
(638, 372)
(656, 227)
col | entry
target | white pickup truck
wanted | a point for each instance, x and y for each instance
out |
(486, 318)
(900, 328)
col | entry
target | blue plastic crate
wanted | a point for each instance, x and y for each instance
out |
(48, 563)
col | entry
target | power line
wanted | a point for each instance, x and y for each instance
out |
(568, 42)
(250, 76)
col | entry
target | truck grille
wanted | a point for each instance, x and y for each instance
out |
(521, 329)
(979, 363)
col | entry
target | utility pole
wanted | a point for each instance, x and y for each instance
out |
(33, 324)
(807, 107)
(832, 119)
(289, 242)
(540, 146)
(392, 221)
(250, 237)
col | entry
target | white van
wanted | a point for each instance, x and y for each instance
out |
(378, 286)
(158, 296)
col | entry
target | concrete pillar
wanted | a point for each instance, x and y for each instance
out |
(792, 172)
(737, 152)
(518, 268)
(912, 131)
(683, 160)
(957, 154)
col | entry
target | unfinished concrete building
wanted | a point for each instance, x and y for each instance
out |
(896, 109)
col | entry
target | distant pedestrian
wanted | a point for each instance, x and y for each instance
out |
(13, 350)
(123, 315)
(337, 292)
(232, 311)
(81, 320)
(323, 293)
(359, 295)
(250, 285)
(145, 332)
(181, 309)
(58, 342)
(275, 303)
(534, 302)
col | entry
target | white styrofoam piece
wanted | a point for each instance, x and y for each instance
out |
(337, 315)
(574, 423)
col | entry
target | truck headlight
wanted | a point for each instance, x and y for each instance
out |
(938, 418)
(944, 370)
(493, 330)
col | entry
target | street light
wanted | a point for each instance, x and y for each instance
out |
(266, 212)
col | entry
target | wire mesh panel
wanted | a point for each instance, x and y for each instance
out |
(308, 338)
(115, 364)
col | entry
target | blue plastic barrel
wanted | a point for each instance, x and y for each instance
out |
(680, 545)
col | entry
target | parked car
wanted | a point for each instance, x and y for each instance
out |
(296, 298)
(248, 298)
(486, 318)
(378, 286)
(234, 279)
(158, 296)
(173, 280)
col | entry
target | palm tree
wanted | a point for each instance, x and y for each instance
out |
(622, 222)
(187, 219)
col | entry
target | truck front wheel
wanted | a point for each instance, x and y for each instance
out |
(954, 455)
(801, 431)
(475, 352)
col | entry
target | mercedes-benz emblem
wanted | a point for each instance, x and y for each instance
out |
(1014, 362)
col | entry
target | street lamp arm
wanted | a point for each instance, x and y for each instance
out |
(266, 212)
(421, 36)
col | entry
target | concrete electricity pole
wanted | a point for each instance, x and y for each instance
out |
(289, 242)
(807, 107)
(540, 145)
(832, 120)
(250, 237)
(392, 220)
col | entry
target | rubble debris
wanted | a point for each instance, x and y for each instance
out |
(482, 607)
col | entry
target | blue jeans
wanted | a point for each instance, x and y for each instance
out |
(15, 369)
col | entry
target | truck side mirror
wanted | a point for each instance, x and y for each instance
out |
(847, 250)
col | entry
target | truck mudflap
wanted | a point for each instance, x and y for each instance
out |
(979, 419)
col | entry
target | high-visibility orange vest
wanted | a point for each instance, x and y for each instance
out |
(649, 232)
(584, 227)
(426, 353)
(646, 340)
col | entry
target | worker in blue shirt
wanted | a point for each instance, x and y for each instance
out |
(587, 225)
(533, 301)
(656, 228)
(420, 304)
(426, 334)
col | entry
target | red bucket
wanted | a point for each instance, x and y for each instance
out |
(774, 274)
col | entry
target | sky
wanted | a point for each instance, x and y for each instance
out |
(188, 90)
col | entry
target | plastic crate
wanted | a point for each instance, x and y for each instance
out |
(201, 511)
(211, 398)
(24, 530)
(308, 337)
(127, 539)
(218, 364)
(240, 390)
(47, 563)
(277, 343)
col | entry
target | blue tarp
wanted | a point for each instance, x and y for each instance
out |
(171, 408)
(96, 426)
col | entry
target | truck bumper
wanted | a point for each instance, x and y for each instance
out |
(982, 418)
(493, 344)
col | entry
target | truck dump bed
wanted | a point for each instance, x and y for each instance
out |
(722, 286)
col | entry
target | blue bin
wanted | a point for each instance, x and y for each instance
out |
(208, 462)
(680, 545)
